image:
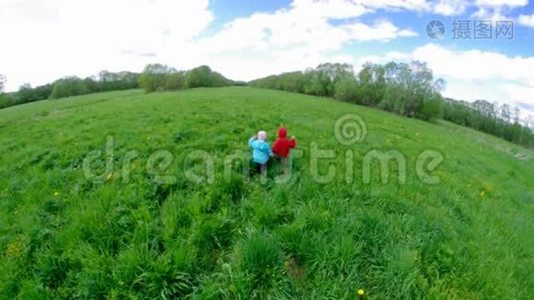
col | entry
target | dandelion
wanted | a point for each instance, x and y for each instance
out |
(56, 194)
(360, 292)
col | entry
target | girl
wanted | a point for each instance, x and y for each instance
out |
(261, 151)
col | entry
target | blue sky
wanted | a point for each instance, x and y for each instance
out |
(521, 44)
(250, 39)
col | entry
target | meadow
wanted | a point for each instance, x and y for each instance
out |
(64, 235)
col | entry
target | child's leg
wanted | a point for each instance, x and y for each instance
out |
(283, 163)
(263, 168)
(258, 167)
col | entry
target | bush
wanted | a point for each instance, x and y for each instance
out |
(175, 81)
(154, 77)
(431, 109)
(160, 77)
(6, 100)
(27, 94)
(346, 90)
(69, 86)
(203, 76)
(198, 77)
(108, 81)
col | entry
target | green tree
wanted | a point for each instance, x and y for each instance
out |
(431, 109)
(109, 81)
(203, 76)
(175, 81)
(6, 100)
(198, 77)
(346, 89)
(329, 74)
(372, 84)
(69, 86)
(154, 77)
(27, 93)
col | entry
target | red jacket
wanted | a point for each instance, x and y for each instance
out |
(282, 144)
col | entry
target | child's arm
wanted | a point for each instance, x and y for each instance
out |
(267, 150)
(292, 142)
(251, 140)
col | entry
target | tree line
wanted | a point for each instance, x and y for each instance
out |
(155, 77)
(407, 89)
(499, 120)
(158, 77)
(71, 86)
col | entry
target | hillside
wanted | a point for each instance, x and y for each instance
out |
(64, 235)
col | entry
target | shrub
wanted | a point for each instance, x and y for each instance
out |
(154, 77)
(69, 86)
(27, 94)
(6, 100)
(346, 89)
(175, 81)
(203, 76)
(431, 109)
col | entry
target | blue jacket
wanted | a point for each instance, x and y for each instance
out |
(261, 151)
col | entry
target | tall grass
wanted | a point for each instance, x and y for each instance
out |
(63, 236)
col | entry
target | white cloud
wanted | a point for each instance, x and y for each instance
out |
(450, 7)
(509, 3)
(527, 20)
(476, 64)
(75, 37)
(47, 40)
(333, 9)
(381, 31)
(413, 5)
(484, 9)
(291, 39)
(497, 10)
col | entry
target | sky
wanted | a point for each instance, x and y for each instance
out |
(484, 49)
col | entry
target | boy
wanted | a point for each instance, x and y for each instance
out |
(261, 151)
(281, 147)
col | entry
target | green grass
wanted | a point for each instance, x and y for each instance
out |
(65, 236)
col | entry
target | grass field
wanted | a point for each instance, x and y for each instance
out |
(64, 235)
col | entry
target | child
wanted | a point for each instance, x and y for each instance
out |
(282, 145)
(261, 151)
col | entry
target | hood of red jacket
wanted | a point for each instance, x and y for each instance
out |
(282, 132)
